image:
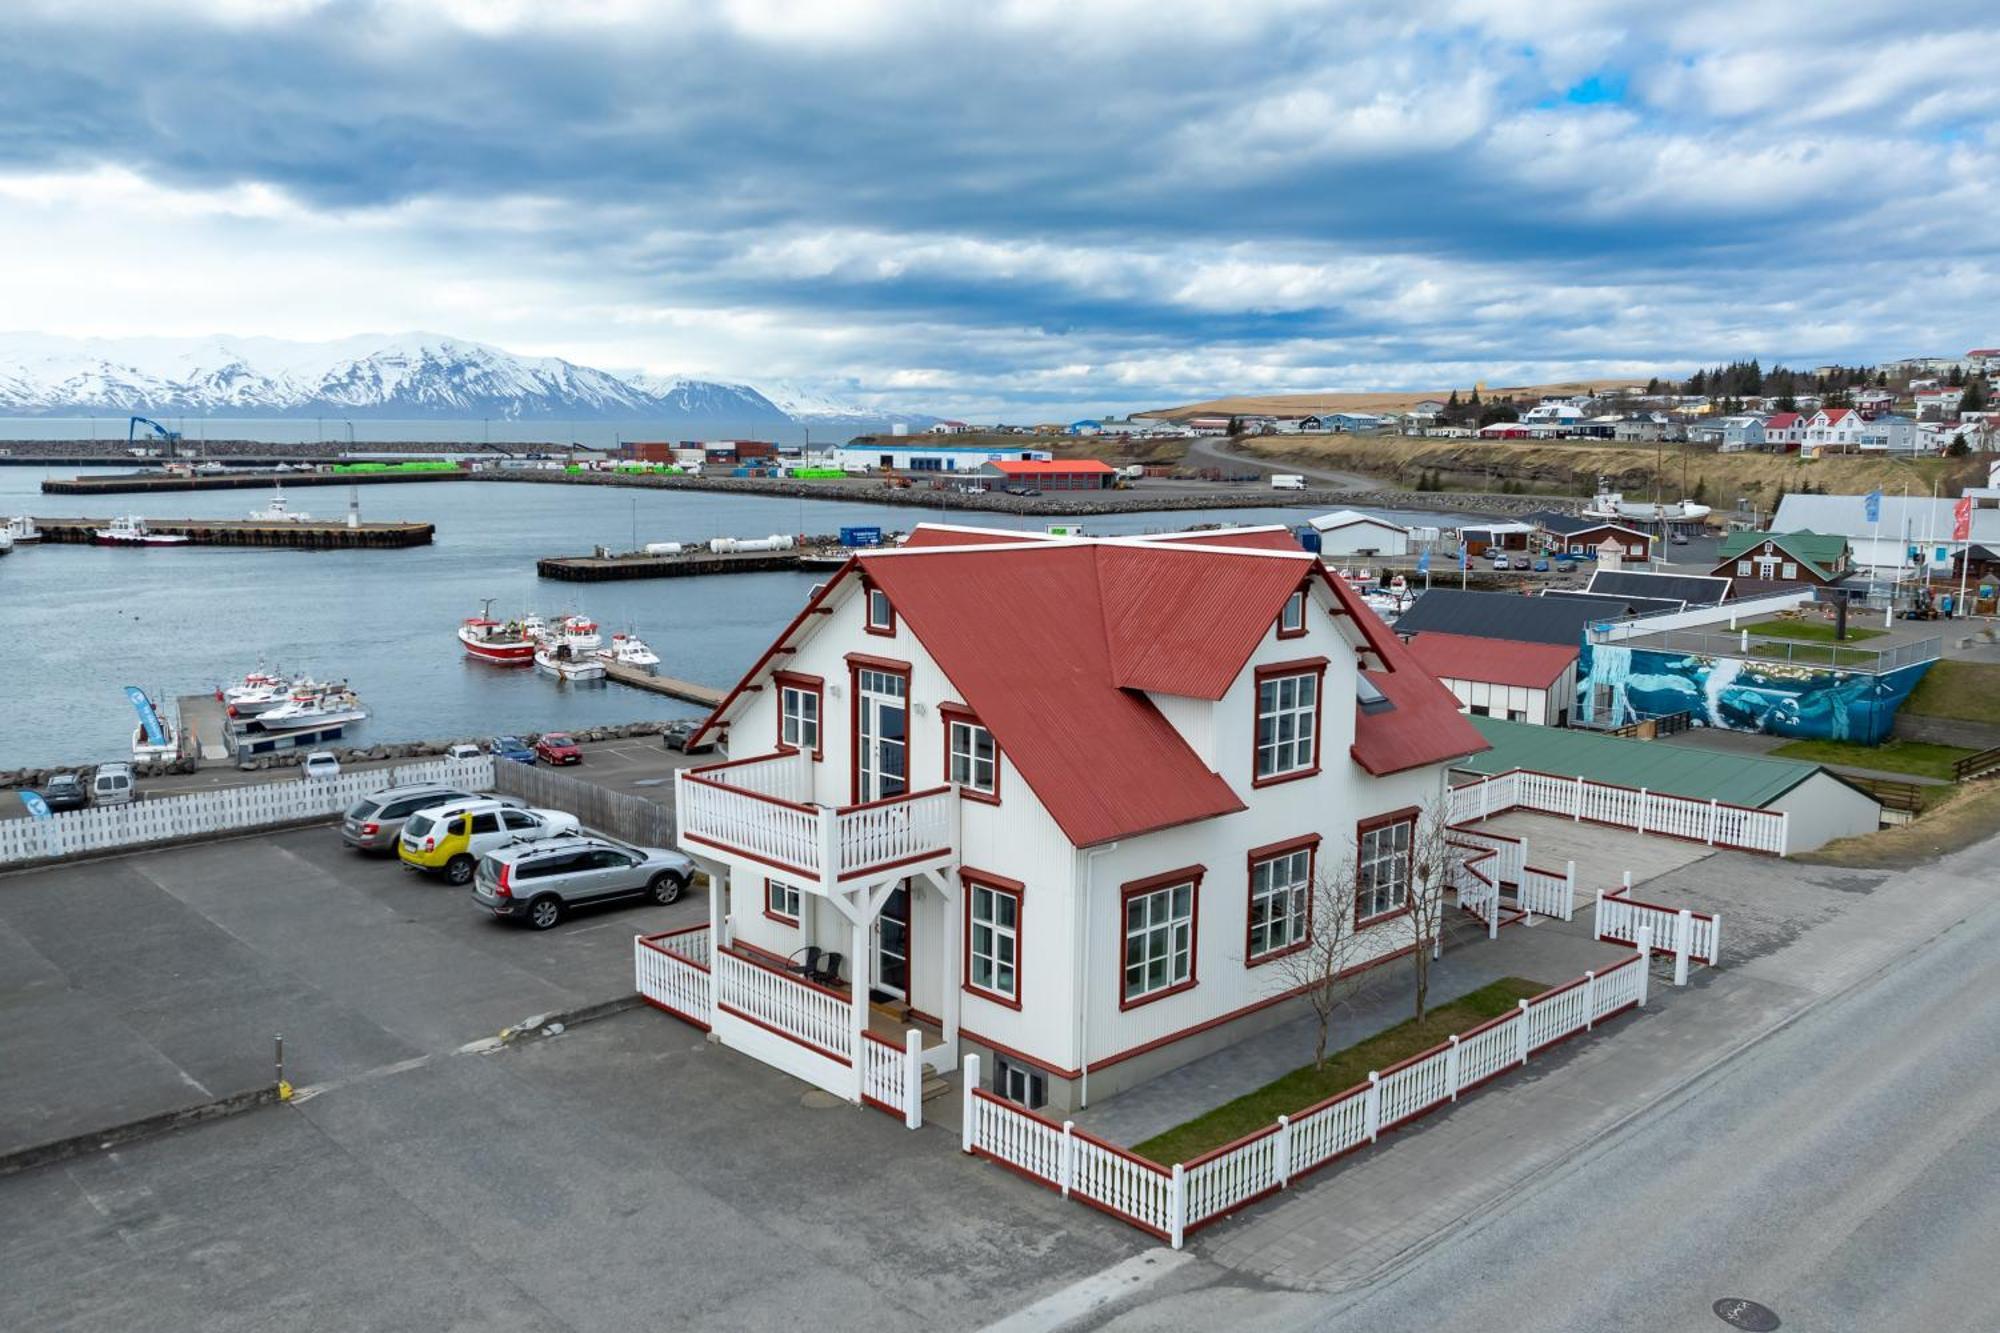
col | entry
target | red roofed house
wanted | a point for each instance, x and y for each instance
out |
(1055, 800)
(1053, 474)
(1521, 682)
(1785, 432)
(1839, 427)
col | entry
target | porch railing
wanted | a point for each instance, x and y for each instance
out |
(762, 809)
(813, 1016)
(671, 971)
(1716, 823)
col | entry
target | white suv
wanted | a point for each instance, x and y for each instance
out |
(450, 838)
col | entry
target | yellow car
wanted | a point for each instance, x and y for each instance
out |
(449, 839)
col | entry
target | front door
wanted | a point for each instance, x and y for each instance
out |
(892, 944)
(882, 750)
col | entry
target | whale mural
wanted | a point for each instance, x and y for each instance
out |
(1617, 684)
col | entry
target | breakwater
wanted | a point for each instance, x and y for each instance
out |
(153, 483)
(328, 536)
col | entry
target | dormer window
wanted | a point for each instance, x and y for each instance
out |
(1287, 735)
(881, 615)
(1292, 620)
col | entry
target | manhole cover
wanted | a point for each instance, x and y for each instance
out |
(1739, 1313)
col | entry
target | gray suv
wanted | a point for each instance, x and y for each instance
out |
(539, 882)
(373, 823)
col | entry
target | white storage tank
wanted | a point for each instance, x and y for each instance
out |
(723, 545)
(664, 548)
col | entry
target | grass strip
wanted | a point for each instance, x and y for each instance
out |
(1819, 631)
(1919, 758)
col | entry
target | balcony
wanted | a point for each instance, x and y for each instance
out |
(762, 809)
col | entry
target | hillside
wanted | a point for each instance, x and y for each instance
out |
(1300, 404)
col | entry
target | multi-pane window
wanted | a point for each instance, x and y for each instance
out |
(1280, 888)
(995, 941)
(798, 717)
(1382, 870)
(1159, 940)
(1293, 619)
(975, 764)
(1287, 718)
(781, 899)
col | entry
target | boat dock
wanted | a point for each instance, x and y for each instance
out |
(312, 534)
(149, 483)
(685, 690)
(692, 564)
(204, 727)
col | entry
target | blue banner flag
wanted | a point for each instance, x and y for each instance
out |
(37, 807)
(1874, 505)
(1424, 563)
(148, 718)
(1463, 559)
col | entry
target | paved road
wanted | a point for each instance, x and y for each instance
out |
(1210, 452)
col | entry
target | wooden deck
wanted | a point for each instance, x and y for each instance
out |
(641, 679)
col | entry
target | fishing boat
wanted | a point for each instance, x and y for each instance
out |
(577, 633)
(506, 643)
(559, 659)
(6, 542)
(21, 529)
(155, 737)
(278, 511)
(629, 650)
(336, 707)
(1613, 505)
(130, 530)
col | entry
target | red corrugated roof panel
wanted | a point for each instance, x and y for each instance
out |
(1496, 661)
(1036, 467)
(1250, 539)
(927, 535)
(1424, 726)
(1184, 622)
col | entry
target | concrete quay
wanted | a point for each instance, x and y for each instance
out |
(312, 535)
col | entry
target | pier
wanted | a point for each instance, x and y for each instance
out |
(641, 679)
(151, 483)
(693, 564)
(330, 535)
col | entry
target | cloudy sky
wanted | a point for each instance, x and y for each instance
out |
(1016, 206)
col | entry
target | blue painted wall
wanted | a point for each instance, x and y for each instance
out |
(1771, 697)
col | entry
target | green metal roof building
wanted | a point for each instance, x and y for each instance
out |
(1825, 556)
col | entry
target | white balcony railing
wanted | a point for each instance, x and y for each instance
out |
(762, 809)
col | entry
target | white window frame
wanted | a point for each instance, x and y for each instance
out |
(792, 721)
(878, 598)
(1292, 620)
(1294, 726)
(1001, 941)
(967, 764)
(781, 900)
(1280, 902)
(1164, 936)
(1382, 863)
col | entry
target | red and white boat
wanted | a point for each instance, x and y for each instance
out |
(131, 530)
(508, 643)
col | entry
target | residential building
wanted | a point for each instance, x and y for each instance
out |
(1479, 538)
(1643, 430)
(1522, 682)
(948, 428)
(1784, 558)
(1347, 532)
(1784, 432)
(1053, 474)
(1060, 801)
(1563, 413)
(1835, 428)
(1874, 402)
(1571, 534)
(1888, 433)
(1502, 615)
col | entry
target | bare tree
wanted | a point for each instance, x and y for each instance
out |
(1322, 970)
(1432, 915)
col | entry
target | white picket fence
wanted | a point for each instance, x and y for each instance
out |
(1548, 894)
(671, 971)
(892, 1076)
(230, 809)
(1716, 823)
(1170, 1202)
(1690, 936)
(1487, 862)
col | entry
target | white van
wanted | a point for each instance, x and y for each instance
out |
(112, 785)
(1288, 481)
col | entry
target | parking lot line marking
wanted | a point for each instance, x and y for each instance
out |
(1086, 1296)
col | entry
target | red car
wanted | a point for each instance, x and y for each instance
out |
(556, 747)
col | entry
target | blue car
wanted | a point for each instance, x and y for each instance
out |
(511, 747)
(1541, 566)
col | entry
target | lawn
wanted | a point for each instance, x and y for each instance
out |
(1301, 1088)
(1915, 757)
(1831, 654)
(1819, 631)
(1967, 691)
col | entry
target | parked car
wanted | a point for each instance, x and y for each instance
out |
(1565, 566)
(373, 823)
(450, 838)
(320, 764)
(541, 882)
(1501, 562)
(1678, 539)
(112, 785)
(65, 791)
(510, 747)
(676, 734)
(462, 752)
(1542, 565)
(557, 747)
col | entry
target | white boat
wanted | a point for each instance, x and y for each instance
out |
(278, 511)
(6, 542)
(558, 660)
(144, 751)
(21, 529)
(130, 530)
(576, 633)
(260, 693)
(337, 707)
(1612, 505)
(630, 650)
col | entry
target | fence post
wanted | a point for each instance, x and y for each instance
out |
(1683, 939)
(1484, 783)
(1066, 1160)
(1177, 1204)
(966, 1135)
(1715, 941)
(913, 1079)
(1451, 1066)
(1371, 1106)
(1576, 799)
(1597, 916)
(1713, 807)
(1645, 947)
(1642, 809)
(1589, 999)
(1281, 1154)
(1569, 891)
(1521, 1033)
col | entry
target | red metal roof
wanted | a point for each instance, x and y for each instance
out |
(1253, 539)
(1496, 661)
(1041, 467)
(1781, 421)
(926, 535)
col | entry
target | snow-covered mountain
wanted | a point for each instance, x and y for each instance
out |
(403, 376)
(815, 407)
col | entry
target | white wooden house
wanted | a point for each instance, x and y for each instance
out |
(1056, 801)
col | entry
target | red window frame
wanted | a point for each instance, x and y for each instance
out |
(784, 680)
(1304, 601)
(1315, 666)
(869, 592)
(1407, 815)
(856, 664)
(1014, 889)
(780, 917)
(1271, 852)
(1190, 875)
(955, 712)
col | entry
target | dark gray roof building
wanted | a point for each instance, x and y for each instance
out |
(1503, 615)
(1693, 589)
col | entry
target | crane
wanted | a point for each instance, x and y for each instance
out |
(172, 437)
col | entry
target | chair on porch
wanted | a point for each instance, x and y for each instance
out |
(828, 972)
(806, 966)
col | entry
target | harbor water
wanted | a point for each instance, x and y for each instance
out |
(80, 622)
